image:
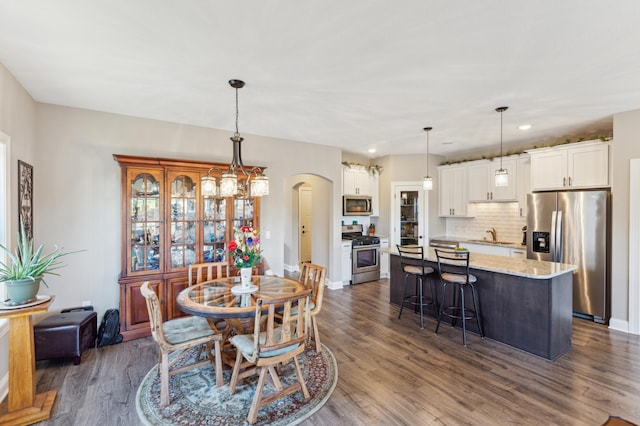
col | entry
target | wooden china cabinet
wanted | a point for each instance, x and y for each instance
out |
(166, 226)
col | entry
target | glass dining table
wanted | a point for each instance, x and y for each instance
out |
(223, 299)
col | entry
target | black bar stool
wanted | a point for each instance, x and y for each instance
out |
(453, 267)
(420, 272)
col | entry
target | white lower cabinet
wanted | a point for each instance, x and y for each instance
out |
(346, 263)
(521, 253)
(384, 258)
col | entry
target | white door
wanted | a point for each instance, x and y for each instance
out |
(408, 221)
(305, 233)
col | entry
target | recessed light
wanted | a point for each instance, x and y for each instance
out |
(372, 150)
(524, 127)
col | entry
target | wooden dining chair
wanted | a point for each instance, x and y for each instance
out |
(177, 336)
(200, 272)
(312, 277)
(278, 341)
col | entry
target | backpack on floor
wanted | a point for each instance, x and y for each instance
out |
(109, 331)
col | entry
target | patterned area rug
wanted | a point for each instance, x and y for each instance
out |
(195, 400)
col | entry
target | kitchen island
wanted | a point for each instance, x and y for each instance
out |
(524, 303)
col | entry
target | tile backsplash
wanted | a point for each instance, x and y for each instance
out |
(505, 217)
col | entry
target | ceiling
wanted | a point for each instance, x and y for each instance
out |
(355, 74)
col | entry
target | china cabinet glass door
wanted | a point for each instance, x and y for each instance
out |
(183, 219)
(215, 229)
(243, 212)
(145, 221)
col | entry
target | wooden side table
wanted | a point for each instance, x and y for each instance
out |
(24, 407)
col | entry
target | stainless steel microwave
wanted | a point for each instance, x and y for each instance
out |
(356, 205)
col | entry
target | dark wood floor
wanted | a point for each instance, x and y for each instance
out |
(391, 373)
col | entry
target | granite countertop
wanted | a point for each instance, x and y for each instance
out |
(461, 240)
(528, 268)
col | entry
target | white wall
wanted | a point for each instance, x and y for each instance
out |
(78, 192)
(17, 122)
(626, 146)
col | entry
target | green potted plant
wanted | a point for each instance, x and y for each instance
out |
(26, 268)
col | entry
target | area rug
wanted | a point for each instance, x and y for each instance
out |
(195, 400)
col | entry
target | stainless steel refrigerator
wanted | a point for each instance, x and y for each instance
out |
(575, 227)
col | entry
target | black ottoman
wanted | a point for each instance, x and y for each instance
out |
(65, 335)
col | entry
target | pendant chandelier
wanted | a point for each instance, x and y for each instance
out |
(230, 185)
(427, 183)
(502, 175)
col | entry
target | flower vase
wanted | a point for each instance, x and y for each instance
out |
(245, 277)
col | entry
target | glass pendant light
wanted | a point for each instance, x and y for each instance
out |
(229, 182)
(209, 188)
(427, 183)
(502, 175)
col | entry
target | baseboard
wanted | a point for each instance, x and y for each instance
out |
(334, 285)
(619, 325)
(291, 268)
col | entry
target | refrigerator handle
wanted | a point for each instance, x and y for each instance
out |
(552, 239)
(559, 245)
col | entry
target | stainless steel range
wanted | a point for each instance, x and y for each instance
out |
(365, 254)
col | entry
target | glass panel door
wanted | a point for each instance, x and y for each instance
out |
(243, 212)
(183, 220)
(409, 217)
(145, 220)
(215, 229)
(408, 214)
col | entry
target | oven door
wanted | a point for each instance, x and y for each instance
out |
(366, 264)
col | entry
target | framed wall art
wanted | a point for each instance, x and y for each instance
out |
(25, 197)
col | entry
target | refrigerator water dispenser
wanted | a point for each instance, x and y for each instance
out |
(540, 242)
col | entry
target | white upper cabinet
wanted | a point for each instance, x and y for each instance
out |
(571, 166)
(481, 181)
(452, 191)
(523, 183)
(356, 181)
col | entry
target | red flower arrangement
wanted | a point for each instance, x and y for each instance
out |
(245, 249)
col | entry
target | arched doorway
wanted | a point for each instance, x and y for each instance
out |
(310, 208)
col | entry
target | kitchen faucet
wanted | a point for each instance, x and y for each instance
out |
(492, 231)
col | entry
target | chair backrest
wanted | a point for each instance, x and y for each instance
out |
(413, 252)
(201, 272)
(155, 313)
(292, 331)
(453, 262)
(312, 277)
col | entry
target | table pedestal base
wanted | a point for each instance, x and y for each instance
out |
(39, 411)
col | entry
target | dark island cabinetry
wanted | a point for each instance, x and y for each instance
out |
(531, 313)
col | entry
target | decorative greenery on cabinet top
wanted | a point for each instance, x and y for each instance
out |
(371, 168)
(523, 151)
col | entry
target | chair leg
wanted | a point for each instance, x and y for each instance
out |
(404, 294)
(464, 320)
(164, 379)
(275, 380)
(316, 334)
(255, 405)
(420, 283)
(218, 361)
(236, 372)
(303, 385)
